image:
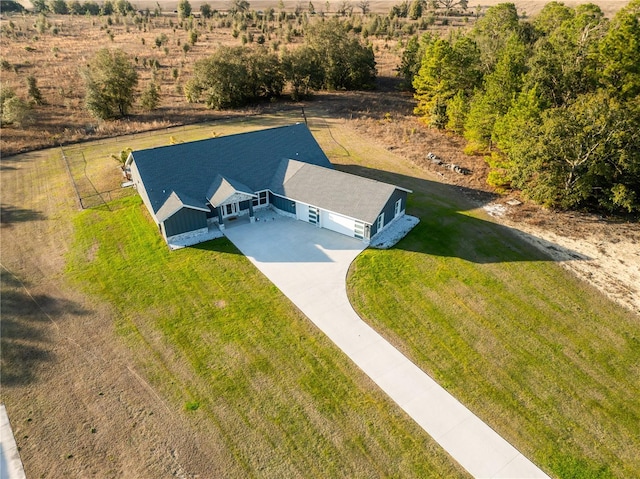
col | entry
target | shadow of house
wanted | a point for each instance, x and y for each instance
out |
(448, 229)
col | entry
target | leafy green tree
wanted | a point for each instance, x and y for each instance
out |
(91, 7)
(500, 88)
(457, 111)
(416, 8)
(123, 7)
(347, 63)
(445, 69)
(39, 6)
(150, 99)
(492, 31)
(412, 56)
(552, 15)
(110, 80)
(107, 7)
(184, 9)
(59, 7)
(76, 8)
(620, 53)
(234, 76)
(564, 64)
(13, 109)
(401, 10)
(205, 10)
(264, 72)
(33, 91)
(585, 154)
(302, 70)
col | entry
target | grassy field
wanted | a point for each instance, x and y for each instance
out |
(219, 340)
(546, 361)
(542, 357)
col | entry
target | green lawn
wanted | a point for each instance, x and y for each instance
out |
(228, 349)
(547, 361)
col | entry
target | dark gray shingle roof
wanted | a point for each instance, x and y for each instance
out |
(249, 158)
(286, 160)
(349, 195)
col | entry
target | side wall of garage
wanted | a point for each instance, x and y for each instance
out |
(389, 209)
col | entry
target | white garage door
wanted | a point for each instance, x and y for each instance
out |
(338, 223)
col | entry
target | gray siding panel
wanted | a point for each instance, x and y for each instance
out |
(283, 204)
(390, 209)
(184, 221)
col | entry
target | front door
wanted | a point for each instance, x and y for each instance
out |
(230, 209)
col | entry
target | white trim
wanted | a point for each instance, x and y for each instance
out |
(397, 209)
(323, 209)
(235, 209)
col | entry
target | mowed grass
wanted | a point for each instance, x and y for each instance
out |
(234, 356)
(547, 361)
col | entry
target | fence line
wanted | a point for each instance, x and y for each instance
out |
(178, 128)
(88, 196)
(73, 181)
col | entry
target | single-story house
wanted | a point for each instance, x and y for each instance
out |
(192, 187)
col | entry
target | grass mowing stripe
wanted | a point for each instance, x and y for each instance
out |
(543, 358)
(239, 361)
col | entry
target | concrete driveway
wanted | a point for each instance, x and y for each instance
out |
(309, 265)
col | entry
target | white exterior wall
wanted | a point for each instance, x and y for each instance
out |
(139, 186)
(302, 211)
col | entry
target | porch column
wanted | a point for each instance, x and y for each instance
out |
(220, 222)
(251, 217)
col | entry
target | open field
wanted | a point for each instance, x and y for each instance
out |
(56, 55)
(185, 364)
(128, 361)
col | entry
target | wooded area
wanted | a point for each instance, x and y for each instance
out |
(552, 102)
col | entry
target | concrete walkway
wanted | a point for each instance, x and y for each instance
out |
(10, 463)
(309, 265)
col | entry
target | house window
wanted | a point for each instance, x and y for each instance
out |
(380, 221)
(314, 215)
(358, 230)
(262, 199)
(398, 208)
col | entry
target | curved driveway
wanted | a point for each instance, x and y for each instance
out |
(309, 265)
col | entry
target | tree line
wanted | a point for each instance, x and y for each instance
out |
(330, 58)
(553, 103)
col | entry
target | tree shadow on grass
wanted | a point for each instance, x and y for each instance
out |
(447, 229)
(10, 214)
(26, 328)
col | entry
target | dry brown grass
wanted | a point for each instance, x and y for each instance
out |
(55, 60)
